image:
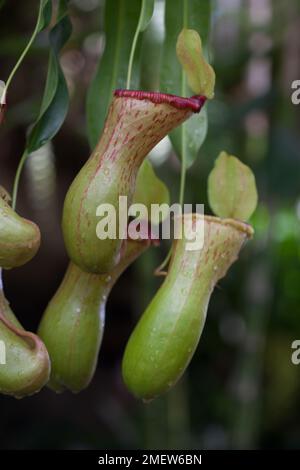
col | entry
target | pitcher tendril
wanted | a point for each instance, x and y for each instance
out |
(147, 7)
(25, 51)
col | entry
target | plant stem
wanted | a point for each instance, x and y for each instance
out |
(21, 58)
(131, 57)
(183, 154)
(17, 178)
(3, 99)
(133, 47)
(183, 134)
(160, 269)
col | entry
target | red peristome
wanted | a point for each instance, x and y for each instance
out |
(194, 103)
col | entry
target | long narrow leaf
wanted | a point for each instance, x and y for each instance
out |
(45, 17)
(43, 20)
(56, 98)
(193, 14)
(121, 19)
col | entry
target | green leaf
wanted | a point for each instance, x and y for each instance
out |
(200, 75)
(188, 138)
(45, 16)
(149, 188)
(43, 20)
(120, 22)
(146, 14)
(231, 188)
(55, 101)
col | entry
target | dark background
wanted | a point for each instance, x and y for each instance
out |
(241, 389)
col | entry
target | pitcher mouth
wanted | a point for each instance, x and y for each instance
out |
(244, 227)
(194, 103)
